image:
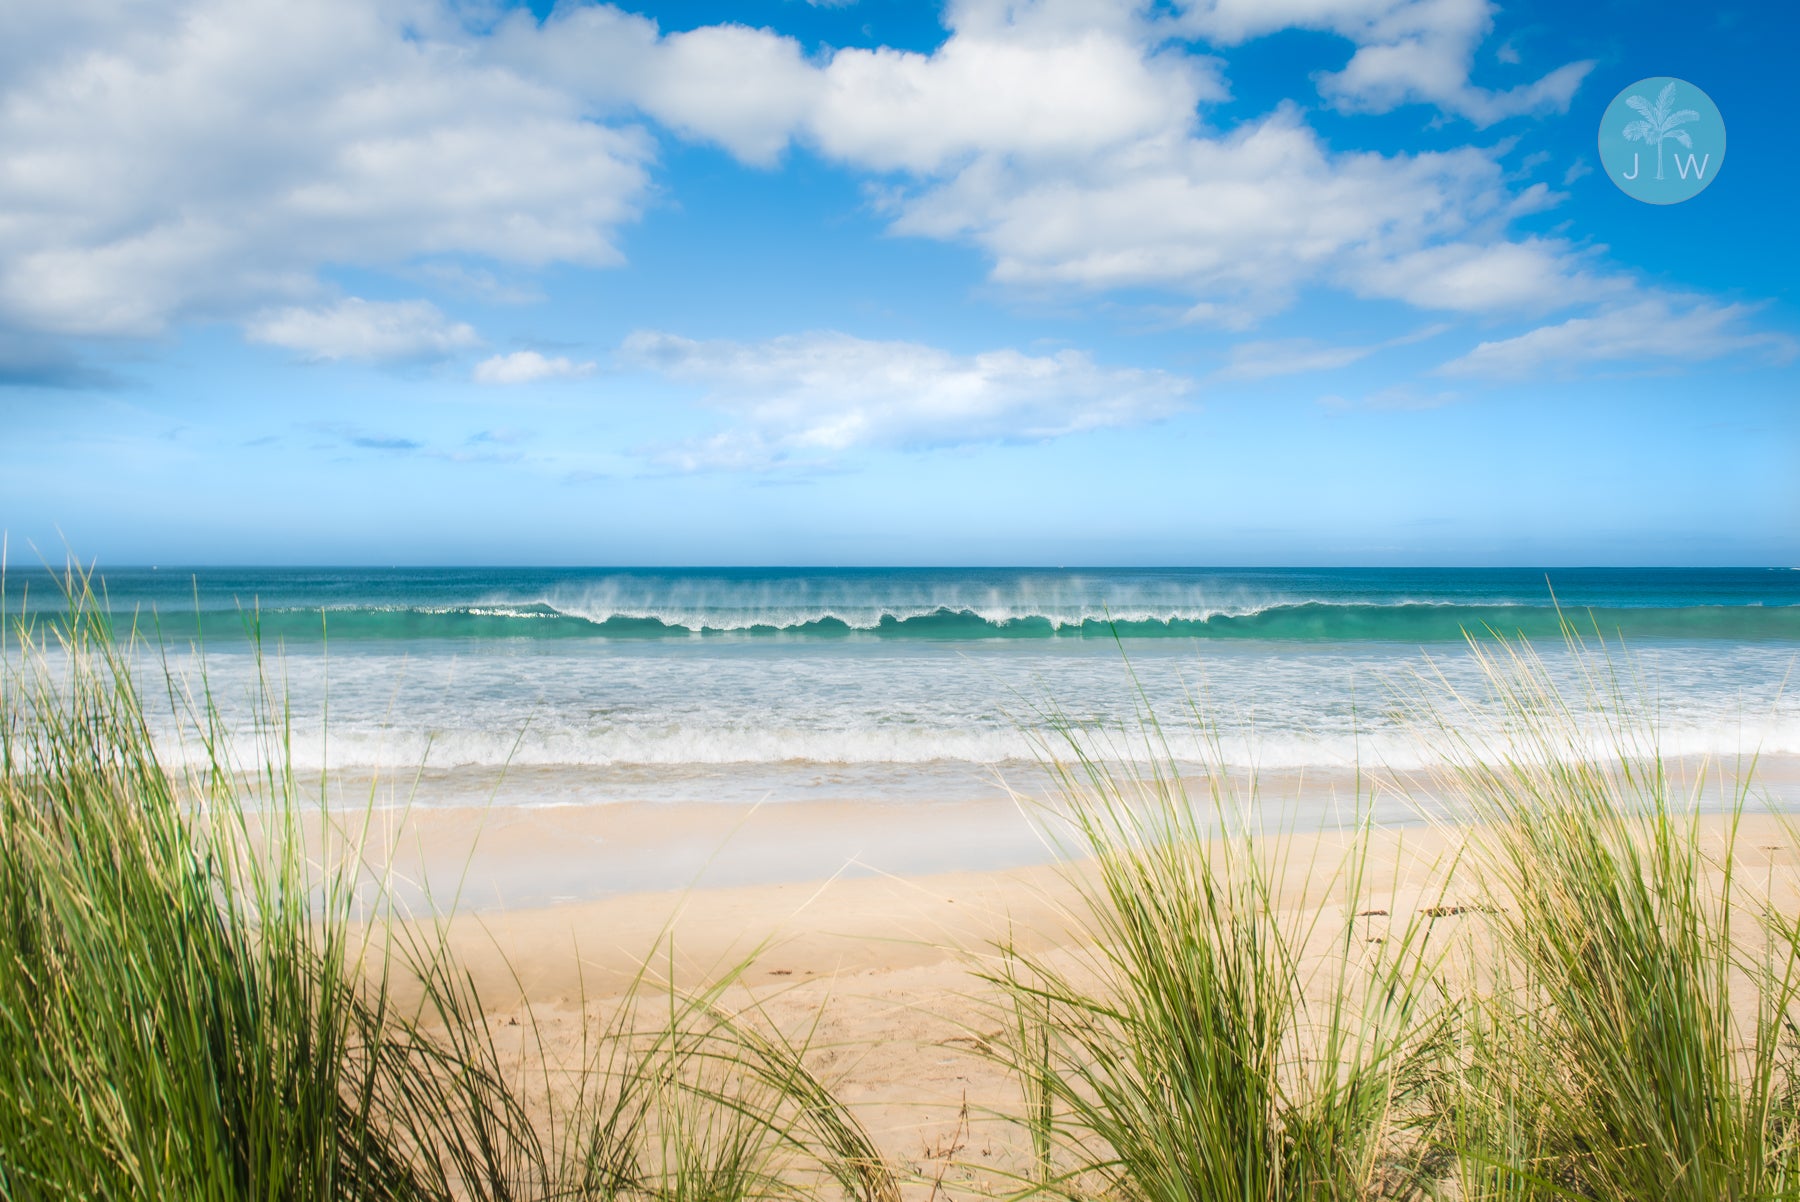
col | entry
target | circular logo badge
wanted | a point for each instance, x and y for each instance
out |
(1662, 140)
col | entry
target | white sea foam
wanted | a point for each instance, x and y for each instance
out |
(742, 720)
(470, 669)
(699, 748)
(875, 616)
(795, 602)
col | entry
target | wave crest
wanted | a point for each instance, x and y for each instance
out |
(1397, 621)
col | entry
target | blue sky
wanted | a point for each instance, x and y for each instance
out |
(1073, 281)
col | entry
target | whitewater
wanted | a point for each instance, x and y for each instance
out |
(746, 685)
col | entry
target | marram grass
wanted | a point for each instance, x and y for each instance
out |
(1636, 1036)
(190, 1008)
(1208, 1040)
(1612, 1015)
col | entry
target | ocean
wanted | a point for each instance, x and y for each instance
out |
(775, 684)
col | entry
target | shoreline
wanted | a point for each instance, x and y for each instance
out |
(870, 944)
(873, 923)
(499, 858)
(879, 975)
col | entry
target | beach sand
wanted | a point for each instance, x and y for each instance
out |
(877, 967)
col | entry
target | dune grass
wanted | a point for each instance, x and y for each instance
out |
(1208, 1040)
(1636, 1036)
(192, 1006)
(195, 1004)
(1612, 1015)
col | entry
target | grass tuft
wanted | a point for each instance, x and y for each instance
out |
(1208, 1041)
(194, 1003)
(1633, 1033)
(192, 1007)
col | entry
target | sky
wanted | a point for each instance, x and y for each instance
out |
(1044, 282)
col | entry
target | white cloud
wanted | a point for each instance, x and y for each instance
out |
(202, 158)
(1063, 138)
(364, 331)
(1287, 357)
(1651, 333)
(475, 282)
(1469, 277)
(1381, 78)
(1407, 50)
(748, 90)
(744, 88)
(1031, 79)
(803, 399)
(1240, 223)
(208, 158)
(526, 367)
(1294, 356)
(1006, 88)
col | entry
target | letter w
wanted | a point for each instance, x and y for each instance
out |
(1698, 170)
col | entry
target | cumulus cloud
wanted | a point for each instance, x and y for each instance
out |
(1034, 79)
(207, 157)
(745, 89)
(1028, 90)
(741, 87)
(1650, 333)
(1241, 222)
(1063, 138)
(1473, 277)
(1030, 77)
(803, 399)
(1406, 51)
(527, 367)
(364, 331)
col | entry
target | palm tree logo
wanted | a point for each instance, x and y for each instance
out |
(1659, 122)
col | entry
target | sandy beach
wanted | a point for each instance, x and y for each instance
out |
(876, 968)
(918, 997)
(1102, 601)
(879, 972)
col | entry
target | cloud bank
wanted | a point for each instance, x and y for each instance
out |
(1066, 141)
(207, 159)
(364, 331)
(198, 160)
(805, 399)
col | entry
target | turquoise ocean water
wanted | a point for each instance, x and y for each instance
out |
(751, 684)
